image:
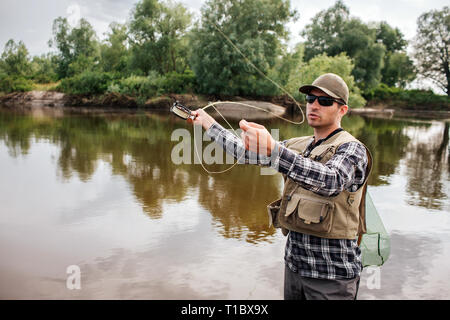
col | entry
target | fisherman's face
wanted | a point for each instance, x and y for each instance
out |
(321, 117)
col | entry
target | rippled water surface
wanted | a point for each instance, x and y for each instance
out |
(101, 192)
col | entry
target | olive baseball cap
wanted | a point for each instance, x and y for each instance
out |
(331, 84)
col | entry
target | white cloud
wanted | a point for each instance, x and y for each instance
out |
(73, 14)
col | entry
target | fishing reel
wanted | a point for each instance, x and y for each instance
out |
(181, 111)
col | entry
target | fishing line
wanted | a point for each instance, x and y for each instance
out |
(262, 73)
(184, 113)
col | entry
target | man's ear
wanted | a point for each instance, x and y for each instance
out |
(343, 109)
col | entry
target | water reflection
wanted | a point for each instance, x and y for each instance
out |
(387, 143)
(426, 162)
(140, 226)
(238, 202)
(138, 148)
(417, 269)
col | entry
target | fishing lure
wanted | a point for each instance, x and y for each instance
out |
(181, 111)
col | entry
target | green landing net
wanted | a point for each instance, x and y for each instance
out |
(376, 243)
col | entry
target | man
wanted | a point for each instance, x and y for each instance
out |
(322, 206)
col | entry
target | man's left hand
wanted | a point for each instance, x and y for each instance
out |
(256, 138)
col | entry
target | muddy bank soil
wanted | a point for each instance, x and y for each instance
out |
(277, 106)
(281, 106)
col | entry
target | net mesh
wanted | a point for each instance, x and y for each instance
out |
(376, 243)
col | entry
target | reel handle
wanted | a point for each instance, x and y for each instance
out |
(182, 111)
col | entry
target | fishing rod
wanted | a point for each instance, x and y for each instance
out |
(185, 113)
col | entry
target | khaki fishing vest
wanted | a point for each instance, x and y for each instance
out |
(301, 210)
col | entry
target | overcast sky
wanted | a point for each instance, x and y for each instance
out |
(31, 20)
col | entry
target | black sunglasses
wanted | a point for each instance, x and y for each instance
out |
(323, 101)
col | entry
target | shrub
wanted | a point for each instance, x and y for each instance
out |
(13, 84)
(408, 98)
(44, 78)
(138, 86)
(88, 82)
(174, 82)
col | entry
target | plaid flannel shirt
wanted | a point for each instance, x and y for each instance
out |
(309, 255)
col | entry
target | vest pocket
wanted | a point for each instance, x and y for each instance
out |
(273, 209)
(312, 214)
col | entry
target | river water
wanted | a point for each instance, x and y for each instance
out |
(102, 193)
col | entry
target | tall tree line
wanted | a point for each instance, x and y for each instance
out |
(162, 40)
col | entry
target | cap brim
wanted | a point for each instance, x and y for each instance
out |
(307, 89)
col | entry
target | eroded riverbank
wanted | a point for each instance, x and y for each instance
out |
(115, 102)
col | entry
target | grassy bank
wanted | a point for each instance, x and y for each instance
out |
(52, 86)
(396, 98)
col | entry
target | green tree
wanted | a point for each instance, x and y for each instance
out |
(255, 27)
(333, 31)
(392, 38)
(78, 48)
(158, 36)
(398, 68)
(323, 34)
(432, 45)
(83, 63)
(377, 49)
(114, 51)
(358, 41)
(43, 68)
(341, 65)
(15, 60)
(285, 63)
(15, 68)
(60, 41)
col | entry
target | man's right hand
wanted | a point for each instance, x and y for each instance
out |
(202, 118)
